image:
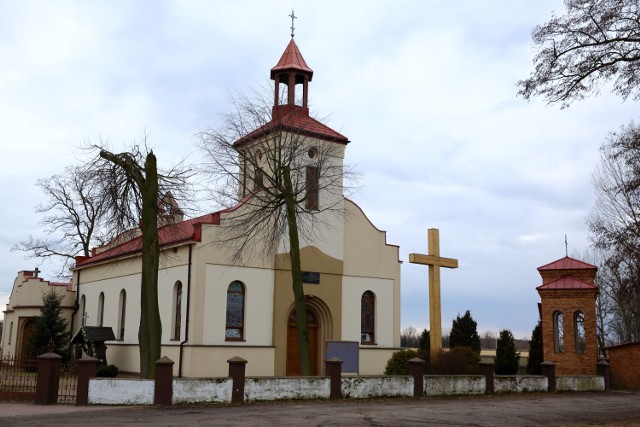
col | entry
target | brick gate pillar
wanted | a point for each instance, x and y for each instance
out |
(488, 370)
(333, 368)
(48, 378)
(87, 368)
(416, 370)
(163, 389)
(548, 369)
(237, 368)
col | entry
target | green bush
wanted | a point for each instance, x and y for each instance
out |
(507, 359)
(456, 361)
(110, 371)
(398, 364)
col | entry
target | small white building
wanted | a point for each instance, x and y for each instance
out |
(24, 306)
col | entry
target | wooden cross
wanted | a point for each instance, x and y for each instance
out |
(434, 261)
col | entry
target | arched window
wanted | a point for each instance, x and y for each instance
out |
(367, 318)
(122, 314)
(235, 311)
(581, 335)
(83, 310)
(558, 332)
(101, 309)
(177, 310)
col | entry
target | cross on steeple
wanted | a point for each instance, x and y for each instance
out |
(434, 261)
(293, 28)
(36, 271)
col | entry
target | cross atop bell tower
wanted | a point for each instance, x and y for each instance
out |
(291, 70)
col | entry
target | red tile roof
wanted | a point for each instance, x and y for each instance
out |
(567, 263)
(291, 59)
(184, 231)
(296, 119)
(567, 282)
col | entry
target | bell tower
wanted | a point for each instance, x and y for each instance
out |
(291, 71)
(568, 313)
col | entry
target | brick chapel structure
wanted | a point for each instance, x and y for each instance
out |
(568, 313)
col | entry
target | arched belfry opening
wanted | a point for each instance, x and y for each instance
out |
(293, 72)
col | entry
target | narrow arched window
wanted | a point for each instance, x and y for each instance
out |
(122, 314)
(177, 310)
(558, 332)
(235, 311)
(367, 318)
(580, 332)
(83, 310)
(101, 309)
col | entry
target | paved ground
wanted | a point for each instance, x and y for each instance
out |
(614, 409)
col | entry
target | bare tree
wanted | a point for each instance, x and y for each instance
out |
(285, 169)
(595, 41)
(132, 189)
(614, 225)
(73, 219)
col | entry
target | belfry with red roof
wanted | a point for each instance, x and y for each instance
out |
(215, 306)
(568, 314)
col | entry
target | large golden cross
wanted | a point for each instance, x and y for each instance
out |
(434, 261)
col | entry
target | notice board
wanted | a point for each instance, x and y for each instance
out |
(348, 352)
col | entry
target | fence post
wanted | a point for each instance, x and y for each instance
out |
(87, 368)
(237, 367)
(48, 378)
(548, 369)
(488, 370)
(605, 371)
(333, 368)
(416, 370)
(163, 389)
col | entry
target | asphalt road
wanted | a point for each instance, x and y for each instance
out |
(565, 409)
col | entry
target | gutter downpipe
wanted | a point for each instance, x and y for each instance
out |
(73, 315)
(186, 326)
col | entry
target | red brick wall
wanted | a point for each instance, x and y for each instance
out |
(624, 362)
(568, 301)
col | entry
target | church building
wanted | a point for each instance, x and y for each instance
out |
(214, 307)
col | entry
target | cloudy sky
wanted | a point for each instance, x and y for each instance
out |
(425, 91)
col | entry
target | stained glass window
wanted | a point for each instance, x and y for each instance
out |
(558, 332)
(581, 339)
(368, 318)
(101, 309)
(235, 311)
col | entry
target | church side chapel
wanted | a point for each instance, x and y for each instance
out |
(24, 306)
(214, 307)
(568, 312)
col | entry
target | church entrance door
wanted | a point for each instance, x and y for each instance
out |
(27, 330)
(293, 358)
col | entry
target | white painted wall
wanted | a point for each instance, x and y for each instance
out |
(580, 383)
(366, 387)
(454, 385)
(519, 383)
(112, 391)
(210, 390)
(287, 388)
(352, 290)
(258, 319)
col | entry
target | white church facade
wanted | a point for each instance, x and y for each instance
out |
(214, 307)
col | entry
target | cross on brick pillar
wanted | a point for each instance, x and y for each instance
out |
(434, 261)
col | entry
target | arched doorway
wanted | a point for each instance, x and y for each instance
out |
(293, 358)
(27, 330)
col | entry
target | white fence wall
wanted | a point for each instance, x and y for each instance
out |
(365, 387)
(452, 385)
(520, 383)
(287, 388)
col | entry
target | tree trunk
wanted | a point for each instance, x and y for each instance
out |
(150, 331)
(302, 327)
